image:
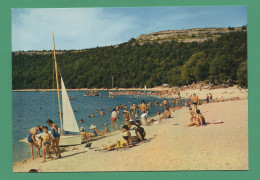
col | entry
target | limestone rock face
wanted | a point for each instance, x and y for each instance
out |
(187, 35)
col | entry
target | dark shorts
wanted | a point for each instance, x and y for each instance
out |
(55, 134)
(45, 143)
(29, 138)
(195, 103)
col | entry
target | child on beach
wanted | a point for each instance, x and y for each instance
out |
(192, 114)
(46, 143)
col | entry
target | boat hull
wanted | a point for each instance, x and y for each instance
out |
(67, 140)
(70, 140)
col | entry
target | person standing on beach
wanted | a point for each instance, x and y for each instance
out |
(114, 119)
(46, 144)
(143, 108)
(195, 101)
(56, 136)
(165, 104)
(32, 141)
(207, 98)
(172, 101)
(210, 97)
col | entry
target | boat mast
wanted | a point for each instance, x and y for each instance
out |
(57, 81)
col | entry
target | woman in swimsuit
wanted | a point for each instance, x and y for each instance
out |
(32, 141)
(56, 136)
(123, 143)
(200, 120)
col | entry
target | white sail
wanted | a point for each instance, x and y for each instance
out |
(69, 120)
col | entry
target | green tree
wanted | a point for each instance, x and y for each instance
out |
(242, 74)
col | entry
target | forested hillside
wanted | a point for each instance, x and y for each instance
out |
(134, 65)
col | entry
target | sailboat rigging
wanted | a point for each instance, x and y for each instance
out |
(67, 121)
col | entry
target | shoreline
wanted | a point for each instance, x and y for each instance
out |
(172, 146)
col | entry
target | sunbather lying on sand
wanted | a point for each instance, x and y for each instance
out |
(123, 143)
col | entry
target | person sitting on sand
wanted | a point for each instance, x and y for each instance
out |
(32, 141)
(123, 143)
(102, 112)
(140, 132)
(199, 121)
(192, 114)
(46, 140)
(106, 130)
(83, 133)
(93, 128)
(166, 113)
(221, 99)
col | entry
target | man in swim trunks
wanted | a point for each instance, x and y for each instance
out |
(143, 108)
(195, 101)
(114, 119)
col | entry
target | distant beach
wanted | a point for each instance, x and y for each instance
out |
(172, 146)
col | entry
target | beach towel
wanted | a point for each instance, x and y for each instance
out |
(217, 122)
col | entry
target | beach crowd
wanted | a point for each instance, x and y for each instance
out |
(134, 119)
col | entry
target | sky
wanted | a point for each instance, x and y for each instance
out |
(81, 28)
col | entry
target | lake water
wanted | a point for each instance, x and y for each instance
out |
(31, 109)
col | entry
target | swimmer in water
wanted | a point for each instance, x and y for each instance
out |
(92, 115)
(102, 112)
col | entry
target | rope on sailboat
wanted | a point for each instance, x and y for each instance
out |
(53, 79)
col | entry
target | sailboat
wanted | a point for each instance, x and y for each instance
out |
(68, 121)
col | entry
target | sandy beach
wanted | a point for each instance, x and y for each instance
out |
(169, 146)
